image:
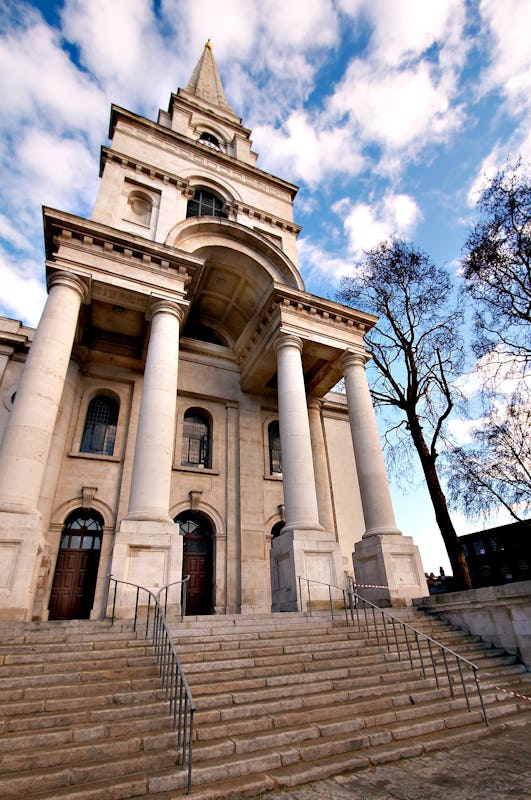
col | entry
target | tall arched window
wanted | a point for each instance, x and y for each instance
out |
(275, 456)
(99, 432)
(205, 204)
(196, 439)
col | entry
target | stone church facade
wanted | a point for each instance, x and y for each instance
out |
(173, 413)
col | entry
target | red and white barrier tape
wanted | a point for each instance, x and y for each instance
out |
(513, 694)
(369, 586)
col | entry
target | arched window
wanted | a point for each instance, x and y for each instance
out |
(99, 432)
(275, 456)
(196, 439)
(205, 204)
(210, 140)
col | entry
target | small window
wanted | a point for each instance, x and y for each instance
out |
(196, 440)
(205, 204)
(275, 456)
(210, 140)
(99, 432)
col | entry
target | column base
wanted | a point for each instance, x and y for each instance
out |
(148, 554)
(392, 562)
(21, 545)
(310, 554)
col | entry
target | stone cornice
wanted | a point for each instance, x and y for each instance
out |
(177, 139)
(310, 309)
(141, 168)
(261, 216)
(88, 235)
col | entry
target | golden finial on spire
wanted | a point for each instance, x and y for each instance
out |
(209, 44)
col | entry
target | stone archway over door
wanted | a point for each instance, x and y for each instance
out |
(76, 571)
(197, 561)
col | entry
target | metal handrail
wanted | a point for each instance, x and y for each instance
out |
(181, 703)
(357, 607)
(184, 592)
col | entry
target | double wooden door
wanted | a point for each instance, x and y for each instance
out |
(76, 571)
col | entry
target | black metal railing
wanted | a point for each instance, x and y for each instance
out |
(181, 704)
(419, 650)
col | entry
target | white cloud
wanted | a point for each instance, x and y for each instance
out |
(508, 25)
(367, 225)
(396, 108)
(61, 171)
(39, 81)
(506, 29)
(122, 46)
(308, 150)
(497, 369)
(461, 430)
(402, 93)
(317, 264)
(23, 292)
(11, 235)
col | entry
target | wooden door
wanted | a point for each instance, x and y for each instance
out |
(197, 563)
(76, 571)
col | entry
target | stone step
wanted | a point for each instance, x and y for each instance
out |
(278, 699)
(115, 725)
(91, 671)
(32, 653)
(290, 760)
(130, 765)
(302, 706)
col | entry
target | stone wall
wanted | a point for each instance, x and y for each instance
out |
(499, 614)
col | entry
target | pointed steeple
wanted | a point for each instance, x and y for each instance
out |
(205, 83)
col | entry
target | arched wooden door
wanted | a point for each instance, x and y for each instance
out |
(76, 571)
(197, 561)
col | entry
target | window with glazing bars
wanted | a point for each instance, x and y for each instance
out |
(196, 441)
(275, 456)
(205, 204)
(99, 433)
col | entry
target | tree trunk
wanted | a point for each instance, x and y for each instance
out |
(454, 548)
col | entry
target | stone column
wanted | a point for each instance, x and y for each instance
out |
(149, 496)
(387, 565)
(320, 465)
(374, 488)
(300, 497)
(31, 424)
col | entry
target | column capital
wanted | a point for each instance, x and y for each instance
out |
(72, 281)
(315, 403)
(163, 305)
(287, 340)
(354, 358)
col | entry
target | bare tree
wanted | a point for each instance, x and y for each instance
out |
(494, 470)
(497, 264)
(417, 352)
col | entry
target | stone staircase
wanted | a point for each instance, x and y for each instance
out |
(281, 700)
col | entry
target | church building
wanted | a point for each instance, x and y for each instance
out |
(173, 413)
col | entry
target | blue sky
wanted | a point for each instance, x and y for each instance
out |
(387, 113)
